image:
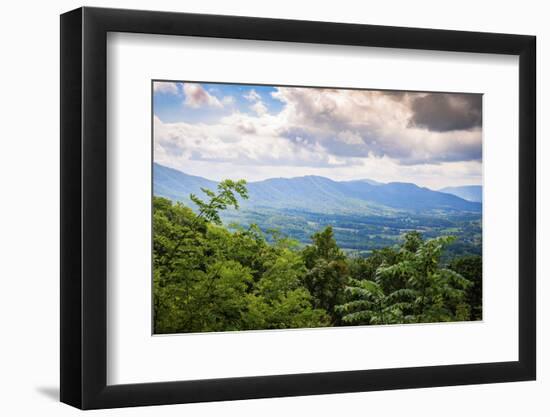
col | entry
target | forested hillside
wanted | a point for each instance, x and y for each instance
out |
(364, 214)
(207, 277)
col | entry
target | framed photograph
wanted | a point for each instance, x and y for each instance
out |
(257, 208)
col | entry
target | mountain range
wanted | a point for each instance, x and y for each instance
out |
(466, 192)
(320, 194)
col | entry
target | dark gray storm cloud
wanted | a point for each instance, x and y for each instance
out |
(440, 112)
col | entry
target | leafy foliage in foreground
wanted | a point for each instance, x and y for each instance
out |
(208, 278)
(413, 289)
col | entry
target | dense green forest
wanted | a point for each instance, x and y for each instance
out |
(207, 277)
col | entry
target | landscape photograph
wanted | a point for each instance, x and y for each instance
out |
(290, 207)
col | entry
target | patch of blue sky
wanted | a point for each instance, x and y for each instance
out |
(243, 99)
(171, 108)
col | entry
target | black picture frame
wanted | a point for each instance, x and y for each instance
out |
(84, 207)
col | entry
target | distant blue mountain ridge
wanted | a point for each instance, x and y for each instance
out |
(466, 192)
(318, 194)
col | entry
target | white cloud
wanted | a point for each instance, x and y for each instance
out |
(196, 96)
(259, 108)
(239, 138)
(228, 101)
(219, 152)
(165, 87)
(342, 134)
(361, 123)
(252, 95)
(350, 138)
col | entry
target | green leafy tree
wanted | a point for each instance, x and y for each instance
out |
(412, 241)
(366, 268)
(207, 278)
(471, 268)
(327, 272)
(370, 305)
(279, 301)
(430, 293)
(209, 210)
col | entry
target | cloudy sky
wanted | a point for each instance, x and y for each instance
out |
(255, 132)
